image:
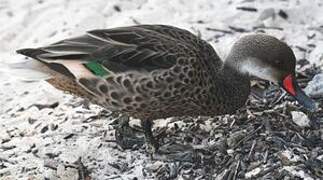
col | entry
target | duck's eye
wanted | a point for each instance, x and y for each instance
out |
(277, 62)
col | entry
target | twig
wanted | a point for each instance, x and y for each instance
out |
(250, 9)
(135, 21)
(265, 157)
(268, 27)
(236, 171)
(254, 142)
(248, 136)
(219, 30)
(238, 29)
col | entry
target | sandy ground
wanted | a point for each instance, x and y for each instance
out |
(36, 142)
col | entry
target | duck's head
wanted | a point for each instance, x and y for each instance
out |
(268, 58)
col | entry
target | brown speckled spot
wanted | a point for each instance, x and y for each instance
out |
(181, 76)
(167, 94)
(114, 95)
(129, 108)
(118, 79)
(169, 79)
(103, 88)
(181, 61)
(138, 98)
(127, 100)
(197, 90)
(185, 69)
(150, 84)
(177, 85)
(177, 69)
(142, 80)
(158, 93)
(127, 83)
(192, 60)
(190, 74)
(182, 90)
(143, 106)
(130, 76)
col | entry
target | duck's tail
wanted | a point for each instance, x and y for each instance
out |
(28, 70)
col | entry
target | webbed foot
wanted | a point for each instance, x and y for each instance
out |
(152, 144)
(126, 136)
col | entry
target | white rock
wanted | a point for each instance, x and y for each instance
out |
(67, 173)
(266, 14)
(253, 173)
(315, 86)
(289, 157)
(298, 173)
(300, 119)
(267, 17)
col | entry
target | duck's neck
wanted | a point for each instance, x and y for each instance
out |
(231, 88)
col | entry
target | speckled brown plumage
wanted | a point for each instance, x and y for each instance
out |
(156, 71)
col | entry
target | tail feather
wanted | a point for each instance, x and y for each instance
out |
(28, 71)
(40, 65)
(30, 52)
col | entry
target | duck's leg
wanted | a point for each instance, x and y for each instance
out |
(125, 135)
(152, 144)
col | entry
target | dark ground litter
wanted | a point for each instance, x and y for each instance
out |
(260, 141)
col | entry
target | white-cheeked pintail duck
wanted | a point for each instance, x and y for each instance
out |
(158, 71)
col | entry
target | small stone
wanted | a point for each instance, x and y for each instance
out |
(266, 14)
(230, 151)
(44, 129)
(253, 173)
(300, 119)
(67, 173)
(287, 157)
(53, 127)
(283, 14)
(117, 8)
(31, 120)
(315, 86)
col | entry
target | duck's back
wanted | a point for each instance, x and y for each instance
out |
(150, 71)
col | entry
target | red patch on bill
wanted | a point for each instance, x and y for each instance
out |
(288, 84)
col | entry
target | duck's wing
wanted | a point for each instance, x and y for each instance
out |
(179, 34)
(146, 47)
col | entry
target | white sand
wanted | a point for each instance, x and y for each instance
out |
(32, 23)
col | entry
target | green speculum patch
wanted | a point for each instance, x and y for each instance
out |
(96, 68)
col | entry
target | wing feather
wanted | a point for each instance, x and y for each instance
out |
(143, 47)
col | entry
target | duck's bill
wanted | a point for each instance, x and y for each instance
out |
(290, 85)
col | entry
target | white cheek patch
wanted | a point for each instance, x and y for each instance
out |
(256, 68)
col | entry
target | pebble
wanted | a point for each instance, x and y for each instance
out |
(300, 119)
(315, 86)
(67, 173)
